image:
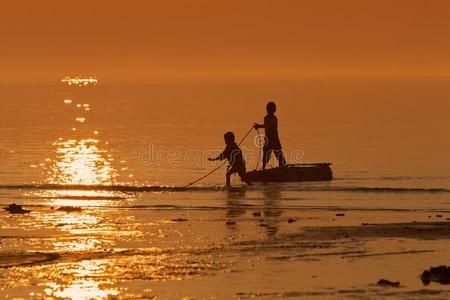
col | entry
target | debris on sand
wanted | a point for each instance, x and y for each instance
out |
(439, 274)
(256, 214)
(292, 220)
(69, 209)
(16, 209)
(388, 283)
(230, 223)
(340, 215)
(179, 220)
(439, 216)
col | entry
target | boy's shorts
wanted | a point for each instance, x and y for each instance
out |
(238, 169)
(272, 145)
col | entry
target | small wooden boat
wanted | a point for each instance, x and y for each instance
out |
(292, 172)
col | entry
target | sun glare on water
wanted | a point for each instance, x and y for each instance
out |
(80, 287)
(81, 162)
(81, 228)
(80, 81)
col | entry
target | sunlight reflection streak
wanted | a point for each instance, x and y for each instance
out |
(81, 162)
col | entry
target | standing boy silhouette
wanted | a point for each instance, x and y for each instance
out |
(272, 143)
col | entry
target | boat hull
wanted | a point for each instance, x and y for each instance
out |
(292, 173)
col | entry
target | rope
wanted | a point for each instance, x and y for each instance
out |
(245, 136)
(217, 168)
(259, 152)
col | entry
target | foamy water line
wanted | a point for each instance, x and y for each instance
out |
(215, 188)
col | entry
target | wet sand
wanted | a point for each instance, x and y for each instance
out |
(241, 251)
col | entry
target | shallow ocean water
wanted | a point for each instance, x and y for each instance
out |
(385, 138)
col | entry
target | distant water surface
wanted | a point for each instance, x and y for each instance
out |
(376, 132)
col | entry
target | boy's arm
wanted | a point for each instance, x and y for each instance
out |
(268, 123)
(257, 126)
(220, 157)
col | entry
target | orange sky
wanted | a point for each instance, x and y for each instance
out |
(250, 38)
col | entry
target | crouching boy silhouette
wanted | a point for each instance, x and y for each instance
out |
(233, 154)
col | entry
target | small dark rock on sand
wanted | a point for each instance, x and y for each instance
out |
(439, 274)
(256, 214)
(16, 209)
(291, 220)
(438, 216)
(230, 222)
(179, 220)
(340, 215)
(69, 209)
(385, 282)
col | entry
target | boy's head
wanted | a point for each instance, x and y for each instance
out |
(271, 107)
(229, 138)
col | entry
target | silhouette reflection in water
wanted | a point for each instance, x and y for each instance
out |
(271, 210)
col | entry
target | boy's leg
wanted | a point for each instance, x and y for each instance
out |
(280, 157)
(227, 176)
(242, 173)
(266, 157)
(230, 172)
